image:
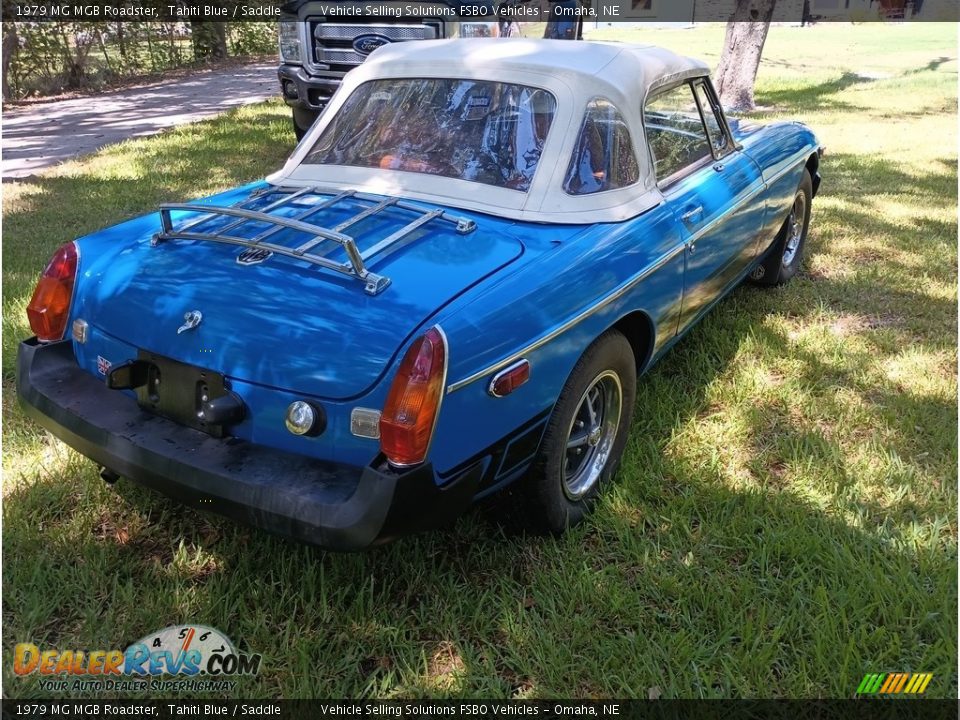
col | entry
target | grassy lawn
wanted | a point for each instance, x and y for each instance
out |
(785, 520)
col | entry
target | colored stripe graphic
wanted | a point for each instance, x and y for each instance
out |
(894, 683)
(869, 684)
(916, 682)
(891, 681)
(900, 683)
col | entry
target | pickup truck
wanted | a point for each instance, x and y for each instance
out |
(321, 41)
(317, 49)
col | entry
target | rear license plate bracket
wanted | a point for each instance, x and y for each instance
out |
(187, 394)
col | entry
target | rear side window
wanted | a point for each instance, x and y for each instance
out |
(675, 132)
(603, 158)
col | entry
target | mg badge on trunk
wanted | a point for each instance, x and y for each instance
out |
(252, 256)
(190, 321)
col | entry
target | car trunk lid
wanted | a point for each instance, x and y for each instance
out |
(285, 321)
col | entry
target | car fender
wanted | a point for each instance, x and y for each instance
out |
(533, 317)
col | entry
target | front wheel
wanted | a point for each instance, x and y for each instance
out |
(783, 259)
(302, 121)
(585, 438)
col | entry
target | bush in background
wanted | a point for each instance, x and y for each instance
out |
(252, 38)
(46, 58)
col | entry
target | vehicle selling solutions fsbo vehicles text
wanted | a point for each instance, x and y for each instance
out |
(472, 709)
(405, 10)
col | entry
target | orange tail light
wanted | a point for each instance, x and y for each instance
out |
(50, 305)
(413, 403)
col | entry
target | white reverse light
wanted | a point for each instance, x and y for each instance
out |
(79, 330)
(365, 422)
(303, 419)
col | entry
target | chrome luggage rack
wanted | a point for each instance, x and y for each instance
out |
(356, 265)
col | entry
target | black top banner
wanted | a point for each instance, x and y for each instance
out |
(587, 11)
(487, 709)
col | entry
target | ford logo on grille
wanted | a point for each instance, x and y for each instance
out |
(366, 44)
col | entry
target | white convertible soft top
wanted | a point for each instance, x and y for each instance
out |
(576, 72)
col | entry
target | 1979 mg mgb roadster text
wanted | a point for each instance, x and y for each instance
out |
(452, 285)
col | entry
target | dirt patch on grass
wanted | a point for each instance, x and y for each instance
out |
(445, 666)
(851, 324)
(107, 530)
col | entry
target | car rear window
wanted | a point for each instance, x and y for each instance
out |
(481, 131)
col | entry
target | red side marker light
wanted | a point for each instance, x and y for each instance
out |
(508, 380)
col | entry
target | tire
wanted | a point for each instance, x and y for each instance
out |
(302, 122)
(785, 255)
(560, 492)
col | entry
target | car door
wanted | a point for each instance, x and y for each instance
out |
(712, 187)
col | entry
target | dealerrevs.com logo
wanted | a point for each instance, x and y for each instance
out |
(185, 652)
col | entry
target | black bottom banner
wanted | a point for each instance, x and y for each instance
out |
(482, 709)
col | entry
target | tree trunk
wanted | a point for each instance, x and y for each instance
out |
(10, 44)
(746, 35)
(106, 55)
(121, 42)
(209, 39)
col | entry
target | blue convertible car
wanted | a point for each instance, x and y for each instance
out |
(452, 285)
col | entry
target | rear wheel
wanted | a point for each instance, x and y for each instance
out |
(784, 258)
(585, 438)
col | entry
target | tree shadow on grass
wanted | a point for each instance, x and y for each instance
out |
(813, 98)
(682, 580)
(931, 66)
(854, 177)
(826, 96)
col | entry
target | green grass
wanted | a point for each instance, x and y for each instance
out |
(785, 520)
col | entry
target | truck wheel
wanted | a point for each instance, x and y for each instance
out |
(302, 122)
(784, 257)
(585, 437)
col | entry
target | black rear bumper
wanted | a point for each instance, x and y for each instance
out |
(336, 506)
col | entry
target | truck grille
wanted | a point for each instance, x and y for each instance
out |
(333, 42)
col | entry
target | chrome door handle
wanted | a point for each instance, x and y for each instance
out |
(691, 247)
(694, 215)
